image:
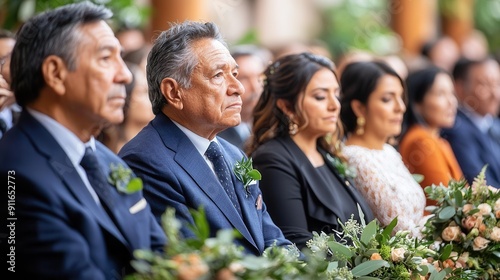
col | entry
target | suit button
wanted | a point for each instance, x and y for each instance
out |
(347, 183)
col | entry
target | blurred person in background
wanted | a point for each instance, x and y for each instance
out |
(131, 38)
(432, 106)
(373, 103)
(296, 147)
(475, 136)
(137, 112)
(442, 52)
(352, 56)
(252, 62)
(397, 64)
(9, 110)
(139, 56)
(475, 46)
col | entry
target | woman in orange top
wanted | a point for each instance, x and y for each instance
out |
(433, 106)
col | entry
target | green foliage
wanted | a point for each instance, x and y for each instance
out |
(359, 25)
(487, 19)
(126, 12)
(465, 227)
(244, 171)
(123, 179)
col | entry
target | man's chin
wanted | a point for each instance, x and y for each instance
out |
(114, 119)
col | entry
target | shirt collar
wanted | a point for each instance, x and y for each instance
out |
(69, 142)
(482, 122)
(201, 144)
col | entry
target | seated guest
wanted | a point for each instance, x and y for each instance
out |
(9, 110)
(195, 92)
(252, 63)
(72, 222)
(433, 106)
(137, 112)
(296, 145)
(372, 111)
(475, 136)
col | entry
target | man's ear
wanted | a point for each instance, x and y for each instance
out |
(358, 108)
(54, 72)
(172, 92)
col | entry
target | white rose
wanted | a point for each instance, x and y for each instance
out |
(484, 209)
(397, 254)
(495, 234)
(497, 205)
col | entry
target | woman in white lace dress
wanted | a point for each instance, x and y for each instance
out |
(372, 111)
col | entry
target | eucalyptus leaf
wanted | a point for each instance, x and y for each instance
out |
(369, 232)
(447, 212)
(340, 249)
(368, 267)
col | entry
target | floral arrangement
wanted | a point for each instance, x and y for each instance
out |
(370, 252)
(466, 227)
(461, 241)
(212, 258)
(365, 252)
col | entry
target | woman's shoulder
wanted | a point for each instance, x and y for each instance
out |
(415, 133)
(275, 147)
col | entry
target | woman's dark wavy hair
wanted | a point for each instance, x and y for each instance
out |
(359, 80)
(419, 83)
(287, 78)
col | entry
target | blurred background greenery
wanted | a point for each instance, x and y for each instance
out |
(343, 24)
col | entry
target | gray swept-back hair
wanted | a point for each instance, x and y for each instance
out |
(172, 56)
(50, 33)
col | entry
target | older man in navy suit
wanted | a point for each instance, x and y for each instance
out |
(69, 221)
(195, 93)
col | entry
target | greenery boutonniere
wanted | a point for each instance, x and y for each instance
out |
(245, 172)
(343, 169)
(121, 178)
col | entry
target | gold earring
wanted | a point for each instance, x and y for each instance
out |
(293, 128)
(360, 128)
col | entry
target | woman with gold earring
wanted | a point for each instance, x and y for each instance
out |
(372, 110)
(296, 146)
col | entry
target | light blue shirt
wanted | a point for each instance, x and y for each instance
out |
(482, 122)
(70, 143)
(201, 144)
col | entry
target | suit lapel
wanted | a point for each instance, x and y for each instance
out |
(349, 186)
(118, 210)
(247, 202)
(63, 167)
(195, 166)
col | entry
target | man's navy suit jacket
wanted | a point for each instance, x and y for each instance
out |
(60, 230)
(474, 149)
(176, 175)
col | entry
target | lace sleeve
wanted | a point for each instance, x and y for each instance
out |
(388, 187)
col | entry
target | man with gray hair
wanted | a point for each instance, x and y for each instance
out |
(72, 214)
(195, 93)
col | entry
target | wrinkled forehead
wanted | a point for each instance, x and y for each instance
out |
(211, 52)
